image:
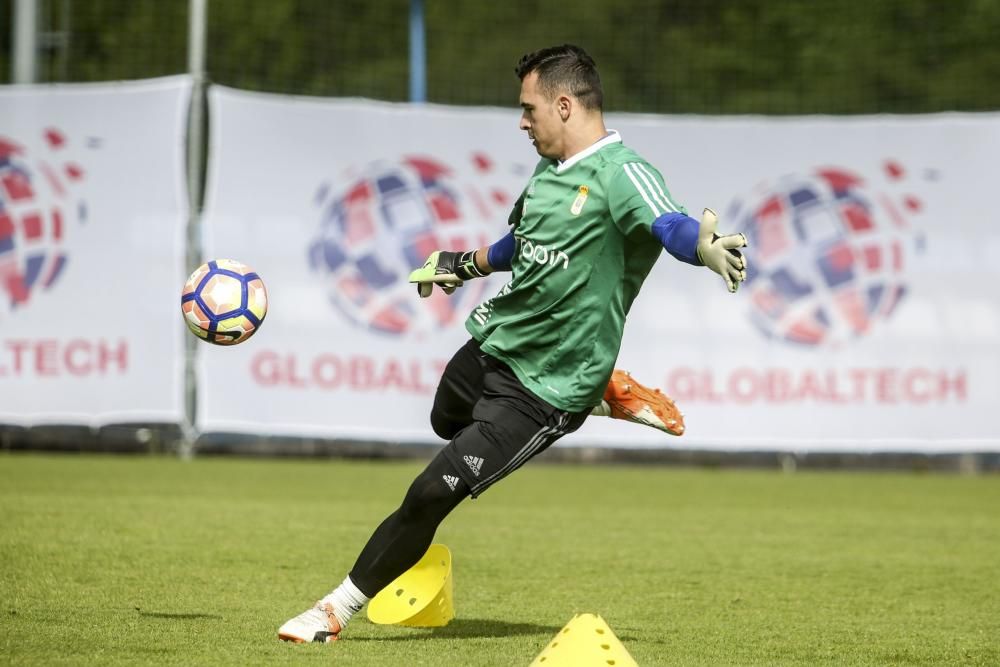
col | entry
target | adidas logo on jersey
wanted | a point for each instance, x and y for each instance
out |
(451, 481)
(475, 464)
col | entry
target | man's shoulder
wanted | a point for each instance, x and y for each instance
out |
(620, 164)
(618, 154)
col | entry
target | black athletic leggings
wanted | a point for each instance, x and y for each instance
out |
(495, 425)
(403, 538)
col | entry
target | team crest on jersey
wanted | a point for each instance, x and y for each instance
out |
(581, 199)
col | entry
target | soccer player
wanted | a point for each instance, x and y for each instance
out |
(587, 230)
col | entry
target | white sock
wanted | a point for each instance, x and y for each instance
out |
(602, 410)
(347, 600)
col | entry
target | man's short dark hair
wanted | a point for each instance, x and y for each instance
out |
(564, 69)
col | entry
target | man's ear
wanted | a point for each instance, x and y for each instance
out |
(564, 105)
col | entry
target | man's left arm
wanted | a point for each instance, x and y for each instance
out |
(638, 198)
(698, 243)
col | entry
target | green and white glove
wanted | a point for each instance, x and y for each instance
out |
(447, 269)
(720, 253)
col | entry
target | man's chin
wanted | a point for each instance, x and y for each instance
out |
(538, 149)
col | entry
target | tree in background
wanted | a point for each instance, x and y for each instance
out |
(678, 56)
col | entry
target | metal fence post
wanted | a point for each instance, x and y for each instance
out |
(24, 33)
(418, 53)
(195, 158)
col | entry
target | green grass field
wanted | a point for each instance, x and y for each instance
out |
(142, 560)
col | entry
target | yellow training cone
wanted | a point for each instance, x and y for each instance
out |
(421, 597)
(586, 640)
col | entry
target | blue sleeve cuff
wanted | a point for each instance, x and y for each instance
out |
(501, 254)
(679, 235)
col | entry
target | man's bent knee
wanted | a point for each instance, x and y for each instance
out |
(444, 427)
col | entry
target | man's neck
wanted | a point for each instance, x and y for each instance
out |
(584, 140)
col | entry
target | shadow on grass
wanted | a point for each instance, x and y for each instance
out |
(177, 617)
(465, 628)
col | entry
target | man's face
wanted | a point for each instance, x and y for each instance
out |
(540, 118)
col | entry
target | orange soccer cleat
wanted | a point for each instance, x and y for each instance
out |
(634, 402)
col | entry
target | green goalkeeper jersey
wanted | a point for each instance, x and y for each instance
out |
(583, 248)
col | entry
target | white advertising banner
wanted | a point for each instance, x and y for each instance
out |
(92, 218)
(868, 321)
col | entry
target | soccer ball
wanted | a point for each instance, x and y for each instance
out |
(224, 302)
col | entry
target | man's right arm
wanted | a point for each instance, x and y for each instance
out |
(451, 269)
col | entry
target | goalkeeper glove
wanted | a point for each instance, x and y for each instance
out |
(447, 269)
(720, 253)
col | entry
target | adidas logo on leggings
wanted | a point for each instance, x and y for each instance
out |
(451, 480)
(475, 464)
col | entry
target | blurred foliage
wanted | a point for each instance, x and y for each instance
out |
(658, 56)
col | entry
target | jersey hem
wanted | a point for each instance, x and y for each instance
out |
(531, 385)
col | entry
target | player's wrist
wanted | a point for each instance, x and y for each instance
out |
(467, 267)
(481, 261)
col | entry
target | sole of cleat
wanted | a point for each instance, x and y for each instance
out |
(325, 639)
(623, 387)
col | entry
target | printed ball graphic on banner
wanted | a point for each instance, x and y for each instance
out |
(37, 212)
(224, 302)
(827, 256)
(386, 222)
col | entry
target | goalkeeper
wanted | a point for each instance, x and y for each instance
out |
(624, 397)
(586, 232)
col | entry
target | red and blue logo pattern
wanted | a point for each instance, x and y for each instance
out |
(385, 223)
(828, 254)
(37, 208)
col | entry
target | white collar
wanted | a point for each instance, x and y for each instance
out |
(612, 137)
